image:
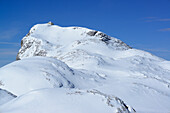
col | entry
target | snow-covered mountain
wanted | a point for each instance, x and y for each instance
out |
(83, 70)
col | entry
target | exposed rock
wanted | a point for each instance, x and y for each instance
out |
(33, 45)
(50, 23)
(92, 33)
(110, 100)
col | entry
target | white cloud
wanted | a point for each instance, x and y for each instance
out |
(165, 29)
(10, 43)
(156, 19)
(158, 50)
(165, 19)
(6, 51)
(9, 33)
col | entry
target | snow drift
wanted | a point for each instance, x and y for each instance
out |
(66, 101)
(42, 72)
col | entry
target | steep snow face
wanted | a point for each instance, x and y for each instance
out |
(33, 73)
(66, 101)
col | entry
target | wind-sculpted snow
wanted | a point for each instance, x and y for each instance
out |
(41, 72)
(89, 60)
(66, 101)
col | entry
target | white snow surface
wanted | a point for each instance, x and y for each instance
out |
(65, 101)
(60, 68)
(43, 72)
(5, 96)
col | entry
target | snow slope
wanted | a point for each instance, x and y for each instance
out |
(66, 101)
(5, 96)
(42, 72)
(91, 60)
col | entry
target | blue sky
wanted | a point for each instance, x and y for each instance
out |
(142, 24)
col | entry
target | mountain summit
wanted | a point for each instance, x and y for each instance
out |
(49, 40)
(79, 70)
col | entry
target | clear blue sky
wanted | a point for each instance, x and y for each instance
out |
(142, 24)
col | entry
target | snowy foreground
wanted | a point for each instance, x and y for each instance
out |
(78, 70)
